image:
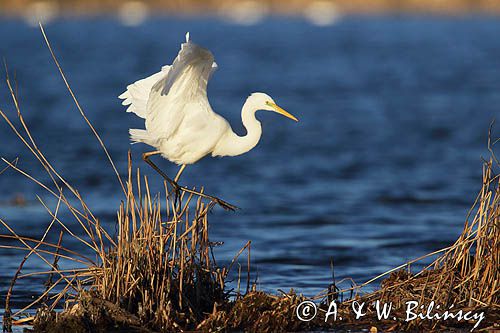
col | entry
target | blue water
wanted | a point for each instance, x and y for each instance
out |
(381, 168)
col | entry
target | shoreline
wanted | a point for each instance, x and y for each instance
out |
(276, 7)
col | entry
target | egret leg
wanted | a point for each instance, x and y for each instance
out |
(179, 173)
(176, 179)
(173, 183)
(177, 188)
(146, 159)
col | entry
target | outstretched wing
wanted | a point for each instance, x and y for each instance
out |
(172, 98)
(137, 94)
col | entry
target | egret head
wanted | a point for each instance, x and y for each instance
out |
(263, 101)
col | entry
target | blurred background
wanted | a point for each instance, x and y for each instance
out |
(320, 12)
(394, 99)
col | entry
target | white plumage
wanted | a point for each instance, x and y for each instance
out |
(137, 94)
(179, 121)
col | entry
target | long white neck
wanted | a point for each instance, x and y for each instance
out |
(232, 144)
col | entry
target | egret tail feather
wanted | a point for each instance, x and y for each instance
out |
(139, 135)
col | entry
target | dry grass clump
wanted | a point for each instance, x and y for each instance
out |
(467, 275)
(158, 272)
(161, 267)
(90, 314)
(257, 312)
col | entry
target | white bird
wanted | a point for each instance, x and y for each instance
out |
(179, 121)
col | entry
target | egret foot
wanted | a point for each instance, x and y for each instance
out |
(177, 188)
(226, 205)
(220, 202)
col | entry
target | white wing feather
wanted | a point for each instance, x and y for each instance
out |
(137, 94)
(172, 97)
(178, 117)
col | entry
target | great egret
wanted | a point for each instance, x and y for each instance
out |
(180, 124)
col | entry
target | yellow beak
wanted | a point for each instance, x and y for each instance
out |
(281, 111)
